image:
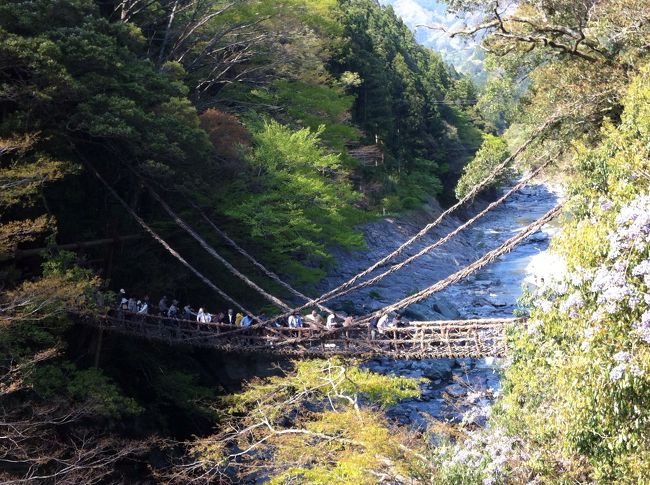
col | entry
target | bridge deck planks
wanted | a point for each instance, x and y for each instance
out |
(431, 339)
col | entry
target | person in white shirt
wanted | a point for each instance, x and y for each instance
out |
(347, 323)
(200, 316)
(315, 320)
(292, 321)
(231, 319)
(120, 297)
(331, 321)
(143, 308)
(382, 324)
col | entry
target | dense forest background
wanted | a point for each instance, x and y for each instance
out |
(290, 121)
(287, 123)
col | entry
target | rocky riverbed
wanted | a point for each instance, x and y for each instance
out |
(452, 389)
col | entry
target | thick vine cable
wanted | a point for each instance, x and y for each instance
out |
(451, 279)
(230, 241)
(476, 265)
(210, 250)
(522, 183)
(335, 291)
(250, 258)
(332, 293)
(163, 243)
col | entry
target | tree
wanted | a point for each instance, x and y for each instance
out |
(311, 422)
(295, 200)
(493, 151)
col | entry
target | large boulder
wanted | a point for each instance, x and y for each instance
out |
(446, 309)
(456, 390)
(411, 314)
(436, 369)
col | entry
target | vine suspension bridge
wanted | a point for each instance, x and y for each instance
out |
(424, 339)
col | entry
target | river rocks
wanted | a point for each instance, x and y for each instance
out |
(465, 364)
(487, 363)
(446, 309)
(456, 390)
(451, 388)
(476, 381)
(539, 236)
(484, 283)
(498, 301)
(436, 369)
(411, 314)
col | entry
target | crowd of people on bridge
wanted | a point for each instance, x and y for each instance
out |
(130, 306)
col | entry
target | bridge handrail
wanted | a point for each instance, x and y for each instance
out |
(412, 326)
(422, 339)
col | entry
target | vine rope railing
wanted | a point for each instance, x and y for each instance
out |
(163, 243)
(337, 291)
(212, 252)
(522, 183)
(470, 195)
(476, 265)
(348, 285)
(428, 339)
(461, 274)
(254, 261)
(181, 223)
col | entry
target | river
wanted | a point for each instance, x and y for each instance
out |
(453, 389)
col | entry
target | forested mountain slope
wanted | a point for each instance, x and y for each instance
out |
(238, 107)
(287, 122)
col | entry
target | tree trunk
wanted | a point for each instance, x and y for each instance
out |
(165, 41)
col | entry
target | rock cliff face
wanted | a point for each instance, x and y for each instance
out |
(453, 387)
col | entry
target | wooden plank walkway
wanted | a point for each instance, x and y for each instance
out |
(419, 340)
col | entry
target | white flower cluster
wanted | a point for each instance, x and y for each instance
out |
(490, 450)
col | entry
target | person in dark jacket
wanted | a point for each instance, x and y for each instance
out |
(163, 308)
(231, 318)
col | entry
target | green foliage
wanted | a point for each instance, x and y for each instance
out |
(313, 105)
(88, 388)
(493, 151)
(116, 85)
(578, 389)
(309, 427)
(497, 104)
(400, 83)
(320, 379)
(296, 201)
